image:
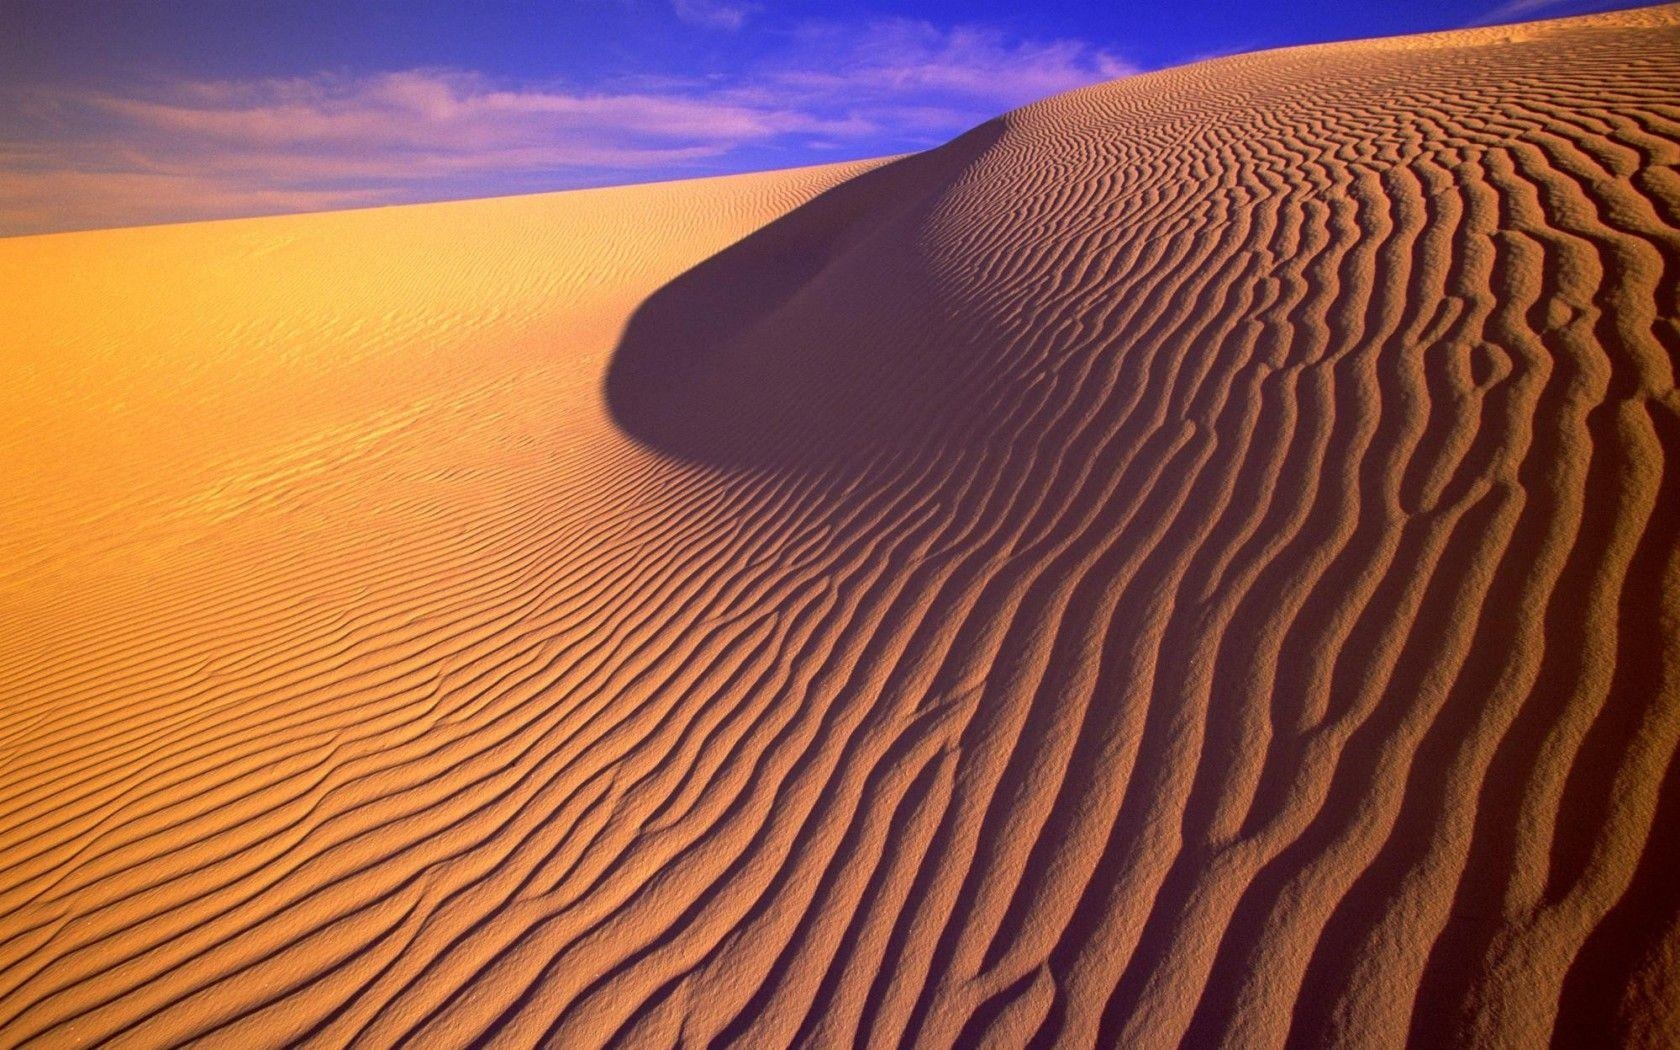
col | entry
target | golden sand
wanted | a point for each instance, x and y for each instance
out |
(1192, 561)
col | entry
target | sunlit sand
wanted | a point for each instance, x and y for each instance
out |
(1192, 561)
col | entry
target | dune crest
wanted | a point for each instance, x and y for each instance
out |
(1194, 561)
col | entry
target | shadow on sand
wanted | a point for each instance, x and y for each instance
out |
(797, 347)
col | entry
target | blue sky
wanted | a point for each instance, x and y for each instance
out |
(117, 113)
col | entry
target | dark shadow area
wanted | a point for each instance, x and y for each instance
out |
(796, 346)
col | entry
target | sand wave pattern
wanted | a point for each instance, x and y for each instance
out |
(1190, 562)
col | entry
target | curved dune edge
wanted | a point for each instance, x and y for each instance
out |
(1193, 561)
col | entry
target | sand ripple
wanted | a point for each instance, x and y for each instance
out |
(1193, 561)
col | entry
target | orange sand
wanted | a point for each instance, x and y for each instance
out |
(1193, 561)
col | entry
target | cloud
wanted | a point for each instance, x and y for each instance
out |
(96, 199)
(205, 150)
(1527, 10)
(712, 14)
(905, 58)
(188, 149)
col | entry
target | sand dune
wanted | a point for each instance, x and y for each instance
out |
(1192, 561)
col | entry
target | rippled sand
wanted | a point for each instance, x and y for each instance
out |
(1195, 560)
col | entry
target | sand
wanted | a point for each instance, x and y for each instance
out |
(1190, 562)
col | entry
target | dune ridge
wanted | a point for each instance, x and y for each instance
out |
(1190, 562)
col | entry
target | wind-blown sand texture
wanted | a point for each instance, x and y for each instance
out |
(1192, 561)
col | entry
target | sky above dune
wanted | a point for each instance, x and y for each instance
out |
(122, 113)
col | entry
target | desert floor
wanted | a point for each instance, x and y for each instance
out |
(1192, 561)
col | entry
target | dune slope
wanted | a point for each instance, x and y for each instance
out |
(1192, 561)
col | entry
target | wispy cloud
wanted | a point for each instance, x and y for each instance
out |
(903, 57)
(1527, 10)
(713, 14)
(206, 149)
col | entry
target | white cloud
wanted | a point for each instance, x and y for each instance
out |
(1528, 10)
(905, 58)
(204, 149)
(713, 14)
